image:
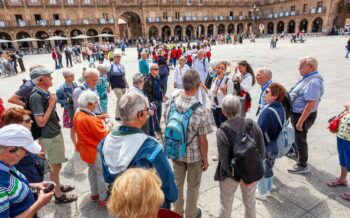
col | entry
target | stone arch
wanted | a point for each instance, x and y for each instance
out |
(249, 28)
(291, 26)
(92, 32)
(166, 33)
(59, 33)
(42, 35)
(317, 25)
(211, 30)
(303, 25)
(270, 27)
(280, 27)
(221, 29)
(190, 32)
(230, 28)
(107, 30)
(200, 31)
(153, 32)
(240, 28)
(5, 45)
(75, 32)
(178, 30)
(22, 35)
(134, 28)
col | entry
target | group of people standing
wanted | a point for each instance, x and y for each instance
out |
(9, 62)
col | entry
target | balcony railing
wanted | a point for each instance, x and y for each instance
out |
(103, 2)
(71, 3)
(30, 3)
(14, 3)
(53, 3)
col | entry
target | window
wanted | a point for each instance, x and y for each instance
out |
(56, 16)
(240, 13)
(34, 1)
(304, 7)
(320, 4)
(105, 16)
(70, 2)
(18, 17)
(87, 2)
(292, 8)
(177, 15)
(189, 2)
(200, 2)
(165, 15)
(53, 2)
(37, 17)
(231, 13)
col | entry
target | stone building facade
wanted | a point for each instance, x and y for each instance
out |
(166, 18)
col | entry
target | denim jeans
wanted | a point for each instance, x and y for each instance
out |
(164, 83)
(173, 60)
(265, 185)
(154, 121)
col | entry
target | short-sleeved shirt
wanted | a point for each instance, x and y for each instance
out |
(307, 89)
(199, 125)
(52, 128)
(15, 194)
(25, 90)
(344, 128)
(202, 67)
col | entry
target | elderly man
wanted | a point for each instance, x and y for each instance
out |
(201, 65)
(195, 159)
(16, 198)
(42, 104)
(143, 64)
(263, 78)
(305, 97)
(91, 78)
(128, 146)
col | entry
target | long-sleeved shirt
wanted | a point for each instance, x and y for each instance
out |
(143, 67)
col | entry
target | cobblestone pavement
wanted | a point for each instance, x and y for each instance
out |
(293, 195)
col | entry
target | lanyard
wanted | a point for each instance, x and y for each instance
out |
(130, 129)
(307, 76)
(217, 86)
(7, 169)
(263, 90)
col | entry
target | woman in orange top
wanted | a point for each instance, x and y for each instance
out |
(90, 131)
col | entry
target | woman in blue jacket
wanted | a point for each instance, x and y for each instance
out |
(270, 126)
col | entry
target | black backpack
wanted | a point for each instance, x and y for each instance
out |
(287, 104)
(247, 161)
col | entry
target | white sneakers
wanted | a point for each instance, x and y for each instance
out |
(262, 197)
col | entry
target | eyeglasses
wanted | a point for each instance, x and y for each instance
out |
(221, 68)
(118, 56)
(302, 66)
(28, 120)
(268, 92)
(155, 69)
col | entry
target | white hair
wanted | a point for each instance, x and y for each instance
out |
(231, 106)
(103, 68)
(67, 72)
(91, 71)
(37, 80)
(182, 58)
(117, 54)
(153, 66)
(87, 97)
(129, 105)
(310, 60)
(267, 72)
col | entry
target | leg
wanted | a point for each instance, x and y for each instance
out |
(92, 180)
(194, 176)
(180, 174)
(101, 185)
(118, 93)
(222, 117)
(73, 136)
(228, 188)
(216, 117)
(55, 177)
(248, 197)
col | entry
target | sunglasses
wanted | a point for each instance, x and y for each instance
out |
(155, 69)
(28, 120)
(118, 56)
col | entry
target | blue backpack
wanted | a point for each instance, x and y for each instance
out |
(176, 131)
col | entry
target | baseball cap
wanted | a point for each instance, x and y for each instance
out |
(16, 135)
(39, 71)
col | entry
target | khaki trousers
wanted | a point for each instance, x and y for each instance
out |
(97, 183)
(118, 93)
(228, 188)
(194, 175)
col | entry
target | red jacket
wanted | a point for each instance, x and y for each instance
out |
(173, 53)
(2, 110)
(179, 52)
(53, 55)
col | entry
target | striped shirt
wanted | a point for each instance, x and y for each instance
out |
(15, 193)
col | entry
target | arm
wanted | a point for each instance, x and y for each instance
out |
(203, 148)
(61, 97)
(259, 140)
(307, 111)
(224, 147)
(41, 120)
(76, 95)
(43, 199)
(15, 99)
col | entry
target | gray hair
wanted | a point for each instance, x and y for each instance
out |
(266, 71)
(91, 71)
(159, 51)
(231, 106)
(310, 60)
(190, 80)
(103, 68)
(201, 51)
(67, 72)
(137, 78)
(129, 105)
(87, 97)
(182, 58)
(117, 54)
(37, 80)
(153, 66)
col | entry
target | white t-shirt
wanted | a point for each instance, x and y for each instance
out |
(179, 72)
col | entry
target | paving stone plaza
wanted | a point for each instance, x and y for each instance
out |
(293, 195)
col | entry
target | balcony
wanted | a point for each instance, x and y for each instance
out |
(42, 22)
(317, 10)
(31, 3)
(87, 3)
(57, 22)
(53, 3)
(281, 14)
(103, 2)
(71, 3)
(241, 17)
(14, 3)
(106, 21)
(153, 20)
(2, 24)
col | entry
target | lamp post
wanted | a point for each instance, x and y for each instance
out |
(254, 10)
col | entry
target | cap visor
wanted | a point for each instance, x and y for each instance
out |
(33, 148)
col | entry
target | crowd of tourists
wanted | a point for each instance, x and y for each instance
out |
(128, 157)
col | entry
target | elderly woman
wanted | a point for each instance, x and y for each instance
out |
(102, 86)
(117, 80)
(343, 143)
(179, 71)
(90, 131)
(65, 98)
(163, 70)
(270, 121)
(136, 193)
(244, 80)
(230, 178)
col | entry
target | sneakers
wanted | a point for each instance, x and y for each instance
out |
(199, 213)
(297, 169)
(102, 203)
(215, 158)
(262, 197)
(94, 197)
(292, 155)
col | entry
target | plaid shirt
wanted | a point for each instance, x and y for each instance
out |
(199, 125)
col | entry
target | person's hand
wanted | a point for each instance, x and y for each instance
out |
(347, 105)
(205, 164)
(299, 126)
(41, 155)
(224, 89)
(103, 116)
(151, 113)
(238, 79)
(44, 198)
(53, 99)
